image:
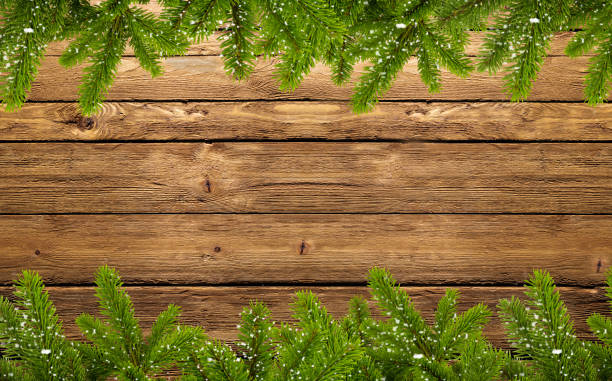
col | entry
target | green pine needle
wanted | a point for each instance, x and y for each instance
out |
(316, 346)
(541, 329)
(118, 347)
(31, 335)
(299, 34)
(255, 341)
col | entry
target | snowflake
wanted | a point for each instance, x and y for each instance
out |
(400, 26)
(556, 351)
(534, 20)
(45, 351)
(417, 356)
(28, 30)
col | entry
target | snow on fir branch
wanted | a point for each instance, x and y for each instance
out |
(314, 346)
(300, 33)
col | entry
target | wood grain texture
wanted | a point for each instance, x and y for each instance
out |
(212, 47)
(203, 78)
(306, 177)
(218, 308)
(224, 249)
(263, 120)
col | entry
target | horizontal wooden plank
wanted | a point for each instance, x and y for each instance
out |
(212, 46)
(306, 177)
(310, 120)
(222, 249)
(218, 308)
(203, 78)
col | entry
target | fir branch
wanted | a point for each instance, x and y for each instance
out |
(545, 333)
(342, 62)
(147, 57)
(321, 13)
(216, 361)
(341, 56)
(379, 77)
(171, 349)
(338, 33)
(410, 31)
(278, 32)
(164, 324)
(523, 36)
(456, 331)
(255, 341)
(238, 46)
(316, 347)
(26, 28)
(336, 361)
(601, 326)
(398, 306)
(294, 347)
(203, 17)
(358, 318)
(479, 361)
(309, 312)
(99, 76)
(599, 76)
(447, 309)
(407, 347)
(471, 322)
(116, 304)
(10, 371)
(152, 31)
(174, 12)
(602, 360)
(119, 24)
(31, 334)
(292, 69)
(119, 347)
(336, 355)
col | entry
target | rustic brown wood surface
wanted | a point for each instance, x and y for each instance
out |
(291, 120)
(218, 309)
(212, 46)
(306, 248)
(203, 78)
(306, 178)
(177, 184)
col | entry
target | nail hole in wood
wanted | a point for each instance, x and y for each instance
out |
(217, 249)
(207, 184)
(599, 265)
(302, 247)
(37, 252)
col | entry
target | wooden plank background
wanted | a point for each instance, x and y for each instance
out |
(208, 193)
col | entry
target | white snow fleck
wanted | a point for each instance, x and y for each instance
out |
(28, 30)
(556, 351)
(400, 26)
(417, 356)
(534, 20)
(45, 351)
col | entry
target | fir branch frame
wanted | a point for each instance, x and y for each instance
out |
(299, 33)
(315, 346)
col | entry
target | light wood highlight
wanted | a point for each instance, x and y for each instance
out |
(409, 121)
